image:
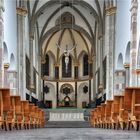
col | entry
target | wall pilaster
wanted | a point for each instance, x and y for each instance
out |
(133, 43)
(127, 76)
(21, 66)
(110, 45)
(1, 43)
(31, 63)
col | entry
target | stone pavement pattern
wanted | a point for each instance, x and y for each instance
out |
(69, 134)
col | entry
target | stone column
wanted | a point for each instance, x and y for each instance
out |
(75, 93)
(110, 45)
(76, 71)
(101, 61)
(39, 78)
(57, 71)
(90, 63)
(6, 66)
(21, 74)
(57, 83)
(138, 76)
(57, 93)
(76, 78)
(89, 91)
(1, 43)
(127, 76)
(31, 65)
(133, 43)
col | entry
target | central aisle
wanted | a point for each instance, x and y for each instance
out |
(69, 134)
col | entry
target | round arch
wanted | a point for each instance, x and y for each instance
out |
(138, 56)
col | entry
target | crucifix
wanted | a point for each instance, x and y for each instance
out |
(66, 53)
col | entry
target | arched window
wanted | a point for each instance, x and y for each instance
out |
(45, 67)
(69, 70)
(120, 62)
(85, 65)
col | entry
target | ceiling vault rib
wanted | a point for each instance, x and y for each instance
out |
(85, 20)
(50, 17)
(46, 45)
(59, 42)
(50, 3)
(84, 42)
(73, 40)
(60, 8)
(57, 28)
(34, 7)
(100, 15)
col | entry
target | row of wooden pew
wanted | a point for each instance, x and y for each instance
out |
(18, 114)
(123, 112)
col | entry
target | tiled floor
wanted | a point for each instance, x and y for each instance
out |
(69, 134)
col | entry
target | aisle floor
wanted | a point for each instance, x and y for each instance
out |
(69, 134)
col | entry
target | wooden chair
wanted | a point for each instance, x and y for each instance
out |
(123, 114)
(99, 121)
(103, 105)
(108, 113)
(132, 105)
(36, 117)
(26, 114)
(32, 115)
(42, 119)
(5, 107)
(39, 117)
(18, 115)
(94, 118)
(115, 111)
(91, 117)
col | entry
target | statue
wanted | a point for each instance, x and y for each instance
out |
(66, 54)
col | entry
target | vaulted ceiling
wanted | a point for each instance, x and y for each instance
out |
(47, 17)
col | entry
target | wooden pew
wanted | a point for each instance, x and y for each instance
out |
(32, 115)
(132, 105)
(42, 119)
(39, 117)
(5, 107)
(103, 105)
(91, 117)
(18, 115)
(99, 122)
(123, 114)
(94, 118)
(26, 114)
(115, 111)
(36, 117)
(108, 113)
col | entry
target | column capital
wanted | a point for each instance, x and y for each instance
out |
(138, 70)
(32, 87)
(21, 11)
(31, 36)
(43, 61)
(76, 64)
(56, 64)
(6, 65)
(90, 61)
(100, 36)
(126, 65)
(110, 10)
